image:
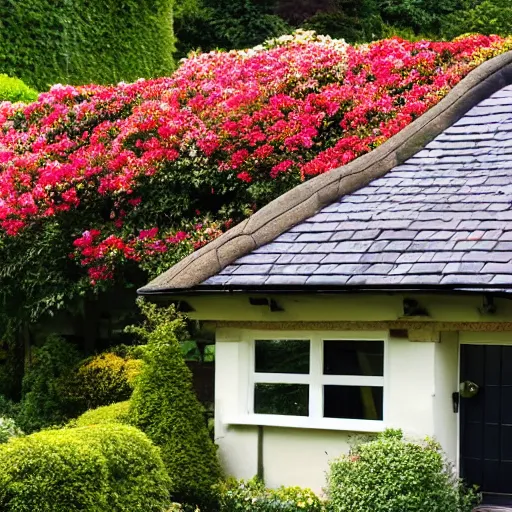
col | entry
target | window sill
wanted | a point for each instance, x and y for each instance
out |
(269, 420)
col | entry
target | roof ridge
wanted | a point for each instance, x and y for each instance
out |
(306, 199)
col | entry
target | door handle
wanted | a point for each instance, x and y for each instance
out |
(468, 389)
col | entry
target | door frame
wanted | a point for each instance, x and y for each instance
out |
(476, 338)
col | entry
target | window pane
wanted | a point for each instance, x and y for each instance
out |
(346, 357)
(282, 356)
(288, 399)
(355, 402)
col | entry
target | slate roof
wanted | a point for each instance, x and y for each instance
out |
(429, 208)
(444, 217)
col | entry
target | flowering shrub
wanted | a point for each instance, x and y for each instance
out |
(252, 496)
(110, 181)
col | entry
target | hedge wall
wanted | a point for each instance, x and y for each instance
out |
(82, 41)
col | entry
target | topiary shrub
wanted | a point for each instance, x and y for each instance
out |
(114, 413)
(8, 429)
(252, 496)
(391, 474)
(45, 400)
(14, 90)
(93, 469)
(102, 380)
(165, 407)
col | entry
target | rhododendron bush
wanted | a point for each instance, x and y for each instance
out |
(100, 185)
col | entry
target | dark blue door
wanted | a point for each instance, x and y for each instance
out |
(486, 418)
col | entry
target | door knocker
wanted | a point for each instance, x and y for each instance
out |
(468, 389)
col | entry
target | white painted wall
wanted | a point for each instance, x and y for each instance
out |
(419, 380)
(446, 383)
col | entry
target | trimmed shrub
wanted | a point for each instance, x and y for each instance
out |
(83, 41)
(45, 399)
(8, 429)
(102, 380)
(114, 413)
(91, 469)
(165, 407)
(391, 474)
(252, 496)
(13, 89)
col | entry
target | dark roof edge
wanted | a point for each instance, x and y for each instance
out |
(307, 198)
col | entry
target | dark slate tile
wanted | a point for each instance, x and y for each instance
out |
(314, 237)
(280, 247)
(379, 268)
(340, 236)
(427, 268)
(339, 257)
(216, 280)
(410, 257)
(502, 279)
(379, 257)
(325, 280)
(326, 247)
(285, 259)
(434, 235)
(398, 235)
(360, 246)
(293, 269)
(258, 259)
(421, 279)
(463, 268)
(275, 280)
(466, 279)
(495, 256)
(247, 280)
(252, 269)
(366, 234)
(286, 237)
(498, 268)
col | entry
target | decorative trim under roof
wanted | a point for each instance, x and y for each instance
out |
(305, 200)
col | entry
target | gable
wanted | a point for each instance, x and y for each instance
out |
(374, 222)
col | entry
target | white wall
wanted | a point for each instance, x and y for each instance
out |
(418, 384)
(446, 383)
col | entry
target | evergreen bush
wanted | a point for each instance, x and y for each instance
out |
(93, 469)
(13, 89)
(391, 474)
(115, 413)
(83, 41)
(45, 400)
(102, 380)
(165, 407)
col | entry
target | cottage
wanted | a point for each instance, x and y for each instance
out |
(377, 295)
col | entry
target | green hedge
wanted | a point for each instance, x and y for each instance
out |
(93, 469)
(13, 89)
(115, 413)
(81, 41)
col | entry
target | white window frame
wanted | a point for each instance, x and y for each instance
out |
(315, 379)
